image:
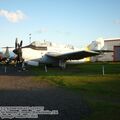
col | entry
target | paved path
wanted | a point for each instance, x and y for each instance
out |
(18, 89)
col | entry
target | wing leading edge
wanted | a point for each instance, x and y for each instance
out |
(72, 55)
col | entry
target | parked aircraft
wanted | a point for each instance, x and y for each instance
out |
(49, 53)
(7, 55)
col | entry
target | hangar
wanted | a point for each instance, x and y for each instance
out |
(107, 44)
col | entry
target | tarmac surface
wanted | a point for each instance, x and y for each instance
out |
(19, 89)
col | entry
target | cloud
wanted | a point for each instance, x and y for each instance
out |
(12, 16)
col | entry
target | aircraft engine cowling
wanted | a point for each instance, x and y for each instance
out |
(48, 60)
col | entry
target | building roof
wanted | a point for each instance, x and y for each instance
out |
(111, 39)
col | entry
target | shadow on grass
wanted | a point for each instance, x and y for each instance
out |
(78, 69)
(11, 70)
(70, 70)
(101, 92)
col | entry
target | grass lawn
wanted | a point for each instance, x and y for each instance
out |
(101, 92)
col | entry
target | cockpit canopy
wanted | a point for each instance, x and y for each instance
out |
(41, 43)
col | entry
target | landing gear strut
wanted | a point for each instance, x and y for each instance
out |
(62, 64)
(45, 68)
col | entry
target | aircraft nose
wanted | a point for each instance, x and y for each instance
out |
(15, 51)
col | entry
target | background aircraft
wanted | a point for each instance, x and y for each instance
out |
(7, 55)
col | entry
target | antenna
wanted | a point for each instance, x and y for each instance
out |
(30, 38)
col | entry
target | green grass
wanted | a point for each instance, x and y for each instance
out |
(101, 92)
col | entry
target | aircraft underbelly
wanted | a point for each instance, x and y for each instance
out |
(33, 63)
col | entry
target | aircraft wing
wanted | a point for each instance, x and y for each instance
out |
(72, 55)
(103, 51)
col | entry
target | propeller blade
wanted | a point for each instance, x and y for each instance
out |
(16, 43)
(21, 43)
(7, 47)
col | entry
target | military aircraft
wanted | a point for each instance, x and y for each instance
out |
(49, 53)
(6, 55)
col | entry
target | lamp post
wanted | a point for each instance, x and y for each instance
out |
(103, 70)
(103, 67)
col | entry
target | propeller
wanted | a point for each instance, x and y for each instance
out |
(18, 50)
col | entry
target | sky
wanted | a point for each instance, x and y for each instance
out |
(76, 22)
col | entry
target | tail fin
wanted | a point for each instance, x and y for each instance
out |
(97, 44)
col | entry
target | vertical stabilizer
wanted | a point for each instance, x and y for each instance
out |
(97, 44)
